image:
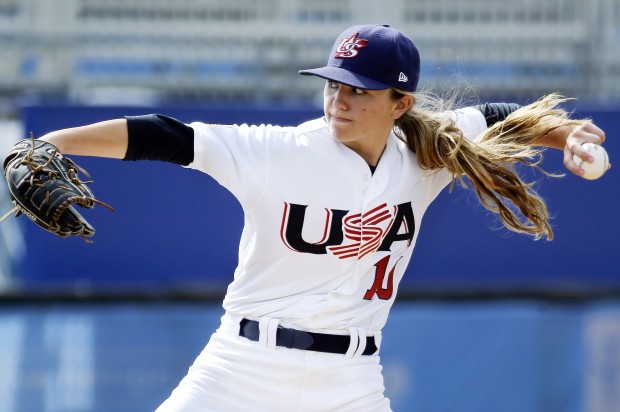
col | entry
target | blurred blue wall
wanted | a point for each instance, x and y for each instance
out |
(510, 356)
(177, 229)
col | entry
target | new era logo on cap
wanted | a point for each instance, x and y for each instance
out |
(373, 57)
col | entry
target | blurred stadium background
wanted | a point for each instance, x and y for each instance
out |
(485, 321)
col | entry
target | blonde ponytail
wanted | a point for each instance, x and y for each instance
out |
(488, 161)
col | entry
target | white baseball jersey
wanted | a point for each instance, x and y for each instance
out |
(325, 241)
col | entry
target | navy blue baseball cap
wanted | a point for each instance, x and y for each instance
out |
(373, 57)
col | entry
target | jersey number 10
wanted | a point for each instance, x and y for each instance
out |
(378, 288)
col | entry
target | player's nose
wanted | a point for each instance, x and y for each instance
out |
(340, 99)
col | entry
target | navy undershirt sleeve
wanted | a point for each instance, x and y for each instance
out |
(496, 112)
(159, 137)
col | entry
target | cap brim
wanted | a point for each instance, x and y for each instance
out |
(347, 77)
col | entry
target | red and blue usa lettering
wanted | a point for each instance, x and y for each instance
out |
(346, 235)
(354, 236)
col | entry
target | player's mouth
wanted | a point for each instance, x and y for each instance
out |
(339, 119)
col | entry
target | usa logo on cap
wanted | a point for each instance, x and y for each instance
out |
(348, 47)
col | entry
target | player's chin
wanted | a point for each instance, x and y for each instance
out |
(340, 135)
(340, 131)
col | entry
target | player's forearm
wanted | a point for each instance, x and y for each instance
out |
(556, 139)
(104, 139)
(576, 133)
(497, 112)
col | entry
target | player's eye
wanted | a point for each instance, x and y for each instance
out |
(335, 85)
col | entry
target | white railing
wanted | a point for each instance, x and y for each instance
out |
(253, 48)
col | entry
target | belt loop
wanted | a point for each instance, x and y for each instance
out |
(361, 336)
(263, 325)
(378, 336)
(272, 331)
(353, 343)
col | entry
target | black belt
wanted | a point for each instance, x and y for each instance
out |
(298, 339)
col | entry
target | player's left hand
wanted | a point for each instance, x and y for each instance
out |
(45, 186)
(584, 133)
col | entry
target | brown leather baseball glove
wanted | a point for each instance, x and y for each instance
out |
(45, 186)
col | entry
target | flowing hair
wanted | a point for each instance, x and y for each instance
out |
(489, 160)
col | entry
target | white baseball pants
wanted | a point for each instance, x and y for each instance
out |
(235, 374)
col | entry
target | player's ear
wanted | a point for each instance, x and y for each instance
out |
(404, 103)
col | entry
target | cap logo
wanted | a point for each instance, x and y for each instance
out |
(403, 78)
(349, 46)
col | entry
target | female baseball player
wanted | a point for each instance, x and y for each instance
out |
(332, 212)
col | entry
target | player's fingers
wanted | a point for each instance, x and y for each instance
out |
(574, 153)
(570, 164)
(574, 148)
(588, 132)
(584, 133)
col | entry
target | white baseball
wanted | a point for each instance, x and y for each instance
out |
(597, 168)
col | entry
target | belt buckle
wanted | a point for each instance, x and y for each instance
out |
(250, 330)
(294, 339)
